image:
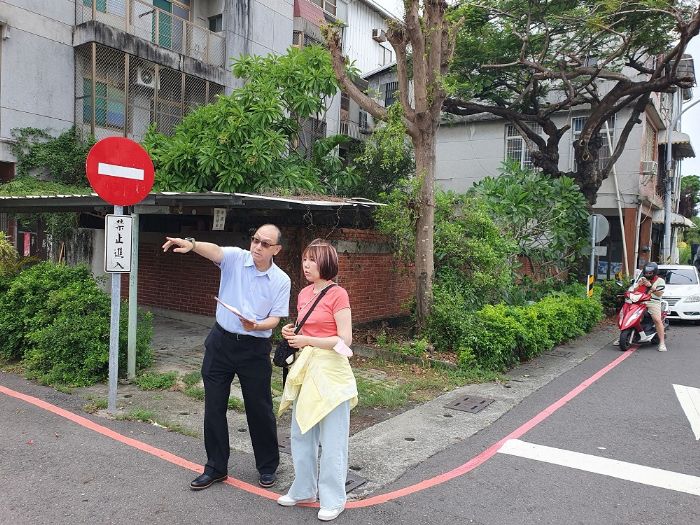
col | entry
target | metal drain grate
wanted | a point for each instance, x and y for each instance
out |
(352, 481)
(471, 404)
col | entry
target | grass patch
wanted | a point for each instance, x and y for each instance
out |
(196, 392)
(381, 394)
(138, 414)
(192, 378)
(180, 429)
(156, 381)
(62, 388)
(236, 404)
(94, 405)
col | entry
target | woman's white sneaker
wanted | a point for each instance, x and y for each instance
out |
(662, 347)
(329, 514)
(288, 501)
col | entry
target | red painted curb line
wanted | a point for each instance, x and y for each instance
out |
(374, 500)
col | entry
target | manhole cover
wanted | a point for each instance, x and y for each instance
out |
(471, 404)
(353, 481)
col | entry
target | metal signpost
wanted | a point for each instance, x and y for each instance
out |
(599, 227)
(121, 172)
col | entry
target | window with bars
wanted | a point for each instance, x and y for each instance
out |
(109, 104)
(516, 147)
(389, 90)
(387, 56)
(362, 121)
(577, 125)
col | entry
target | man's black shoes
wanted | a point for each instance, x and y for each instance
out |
(267, 480)
(206, 480)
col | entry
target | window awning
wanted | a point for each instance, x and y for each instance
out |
(680, 144)
(676, 219)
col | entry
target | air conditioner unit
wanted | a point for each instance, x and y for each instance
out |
(379, 35)
(146, 77)
(650, 167)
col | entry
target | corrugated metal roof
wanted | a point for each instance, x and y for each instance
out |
(170, 198)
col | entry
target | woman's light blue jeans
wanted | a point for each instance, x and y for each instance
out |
(332, 432)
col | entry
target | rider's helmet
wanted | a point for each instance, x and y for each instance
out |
(651, 270)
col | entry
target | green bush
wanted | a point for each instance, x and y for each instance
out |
(57, 321)
(609, 292)
(496, 337)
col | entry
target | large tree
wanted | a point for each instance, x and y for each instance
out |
(529, 61)
(428, 36)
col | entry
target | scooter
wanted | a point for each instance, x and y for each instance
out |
(635, 322)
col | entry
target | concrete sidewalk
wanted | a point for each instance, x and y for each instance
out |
(381, 453)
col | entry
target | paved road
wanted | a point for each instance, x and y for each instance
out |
(55, 470)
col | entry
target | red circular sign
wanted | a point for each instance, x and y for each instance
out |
(120, 171)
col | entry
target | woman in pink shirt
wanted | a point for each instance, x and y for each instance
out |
(320, 387)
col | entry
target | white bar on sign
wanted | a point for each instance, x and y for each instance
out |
(113, 170)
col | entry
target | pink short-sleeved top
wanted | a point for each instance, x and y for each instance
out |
(321, 322)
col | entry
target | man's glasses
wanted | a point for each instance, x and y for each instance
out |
(264, 244)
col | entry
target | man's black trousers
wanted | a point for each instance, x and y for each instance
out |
(227, 355)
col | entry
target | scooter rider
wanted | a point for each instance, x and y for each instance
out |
(655, 285)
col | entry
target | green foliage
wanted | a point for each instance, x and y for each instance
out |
(56, 320)
(547, 217)
(472, 257)
(384, 158)
(692, 235)
(192, 378)
(242, 141)
(62, 157)
(235, 404)
(9, 258)
(610, 292)
(156, 381)
(690, 196)
(138, 414)
(498, 336)
(27, 185)
(194, 391)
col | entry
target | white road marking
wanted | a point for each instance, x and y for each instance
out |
(114, 170)
(655, 477)
(689, 399)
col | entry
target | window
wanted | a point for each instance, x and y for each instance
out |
(387, 56)
(362, 120)
(327, 5)
(216, 23)
(109, 104)
(649, 148)
(311, 130)
(389, 93)
(344, 101)
(516, 147)
(577, 125)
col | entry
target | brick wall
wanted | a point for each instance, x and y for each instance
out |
(377, 284)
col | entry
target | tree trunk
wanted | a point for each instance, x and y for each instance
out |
(424, 148)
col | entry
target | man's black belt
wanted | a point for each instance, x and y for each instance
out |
(237, 336)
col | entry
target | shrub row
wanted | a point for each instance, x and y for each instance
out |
(56, 320)
(498, 336)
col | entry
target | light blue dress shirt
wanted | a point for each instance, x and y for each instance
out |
(257, 295)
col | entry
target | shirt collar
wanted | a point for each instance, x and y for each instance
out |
(249, 262)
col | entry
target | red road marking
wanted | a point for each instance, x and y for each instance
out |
(374, 500)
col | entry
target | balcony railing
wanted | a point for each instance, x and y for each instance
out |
(157, 26)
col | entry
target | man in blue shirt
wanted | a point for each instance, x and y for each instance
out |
(239, 344)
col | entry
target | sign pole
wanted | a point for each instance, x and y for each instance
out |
(114, 334)
(594, 226)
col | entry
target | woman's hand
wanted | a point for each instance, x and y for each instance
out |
(288, 331)
(298, 341)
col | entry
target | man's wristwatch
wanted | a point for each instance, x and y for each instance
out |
(192, 241)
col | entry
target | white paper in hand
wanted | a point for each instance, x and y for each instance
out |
(233, 310)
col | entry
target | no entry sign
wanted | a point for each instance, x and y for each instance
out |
(120, 171)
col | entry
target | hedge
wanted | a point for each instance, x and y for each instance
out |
(498, 336)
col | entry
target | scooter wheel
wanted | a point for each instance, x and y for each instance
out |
(626, 339)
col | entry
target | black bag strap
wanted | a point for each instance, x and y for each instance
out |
(308, 313)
